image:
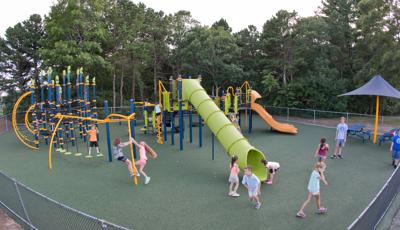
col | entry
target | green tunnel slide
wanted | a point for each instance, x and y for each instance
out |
(231, 139)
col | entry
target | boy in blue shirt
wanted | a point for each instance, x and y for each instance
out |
(253, 185)
(340, 138)
(395, 148)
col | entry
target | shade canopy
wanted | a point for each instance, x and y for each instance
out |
(376, 86)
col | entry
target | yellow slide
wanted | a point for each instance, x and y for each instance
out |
(280, 127)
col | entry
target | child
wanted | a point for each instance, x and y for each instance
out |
(93, 140)
(252, 183)
(142, 160)
(234, 178)
(272, 167)
(234, 121)
(119, 155)
(313, 189)
(322, 150)
(340, 138)
(395, 149)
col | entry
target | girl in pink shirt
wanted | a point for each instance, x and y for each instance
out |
(142, 160)
(321, 153)
(234, 177)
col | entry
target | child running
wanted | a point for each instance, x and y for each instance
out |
(234, 177)
(314, 189)
(253, 185)
(395, 149)
(119, 155)
(340, 138)
(321, 153)
(142, 160)
(93, 132)
(272, 167)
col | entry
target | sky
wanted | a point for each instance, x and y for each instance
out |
(238, 13)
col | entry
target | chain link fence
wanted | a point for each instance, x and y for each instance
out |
(378, 207)
(331, 118)
(33, 210)
(5, 123)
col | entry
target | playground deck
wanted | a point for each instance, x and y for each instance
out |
(188, 190)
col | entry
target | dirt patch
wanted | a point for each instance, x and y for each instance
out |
(6, 223)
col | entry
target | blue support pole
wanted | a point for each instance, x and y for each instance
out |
(165, 124)
(190, 125)
(200, 131)
(213, 145)
(250, 120)
(133, 124)
(171, 100)
(180, 114)
(106, 112)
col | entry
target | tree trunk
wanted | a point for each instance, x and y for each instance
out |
(113, 89)
(133, 80)
(155, 76)
(121, 87)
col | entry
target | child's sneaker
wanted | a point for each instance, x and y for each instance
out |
(147, 180)
(322, 210)
(301, 215)
(230, 193)
(333, 157)
(131, 175)
(269, 182)
(340, 156)
(99, 154)
(235, 194)
(258, 206)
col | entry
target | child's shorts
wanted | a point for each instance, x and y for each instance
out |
(233, 179)
(273, 171)
(321, 158)
(396, 154)
(123, 158)
(141, 162)
(340, 143)
(94, 144)
(314, 192)
(253, 192)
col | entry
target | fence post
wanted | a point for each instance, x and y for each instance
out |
(347, 117)
(314, 117)
(287, 113)
(6, 123)
(382, 119)
(22, 203)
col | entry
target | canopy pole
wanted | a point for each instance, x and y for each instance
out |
(376, 118)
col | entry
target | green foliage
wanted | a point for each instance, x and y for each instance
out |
(293, 61)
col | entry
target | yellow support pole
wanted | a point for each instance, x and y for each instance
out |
(52, 139)
(135, 180)
(376, 118)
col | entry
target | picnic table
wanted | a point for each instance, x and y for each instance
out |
(359, 130)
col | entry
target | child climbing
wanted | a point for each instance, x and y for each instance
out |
(272, 168)
(119, 155)
(93, 132)
(314, 189)
(143, 148)
(234, 177)
(234, 121)
(321, 153)
(253, 185)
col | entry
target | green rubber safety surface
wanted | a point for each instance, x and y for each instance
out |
(188, 190)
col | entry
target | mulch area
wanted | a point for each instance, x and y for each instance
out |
(6, 223)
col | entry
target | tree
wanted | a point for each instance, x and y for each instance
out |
(223, 24)
(277, 45)
(19, 58)
(75, 35)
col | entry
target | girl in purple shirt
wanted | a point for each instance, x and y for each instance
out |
(321, 153)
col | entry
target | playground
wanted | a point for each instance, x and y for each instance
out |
(189, 189)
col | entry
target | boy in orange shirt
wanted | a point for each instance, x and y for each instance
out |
(93, 140)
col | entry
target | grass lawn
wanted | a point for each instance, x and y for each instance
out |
(188, 190)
